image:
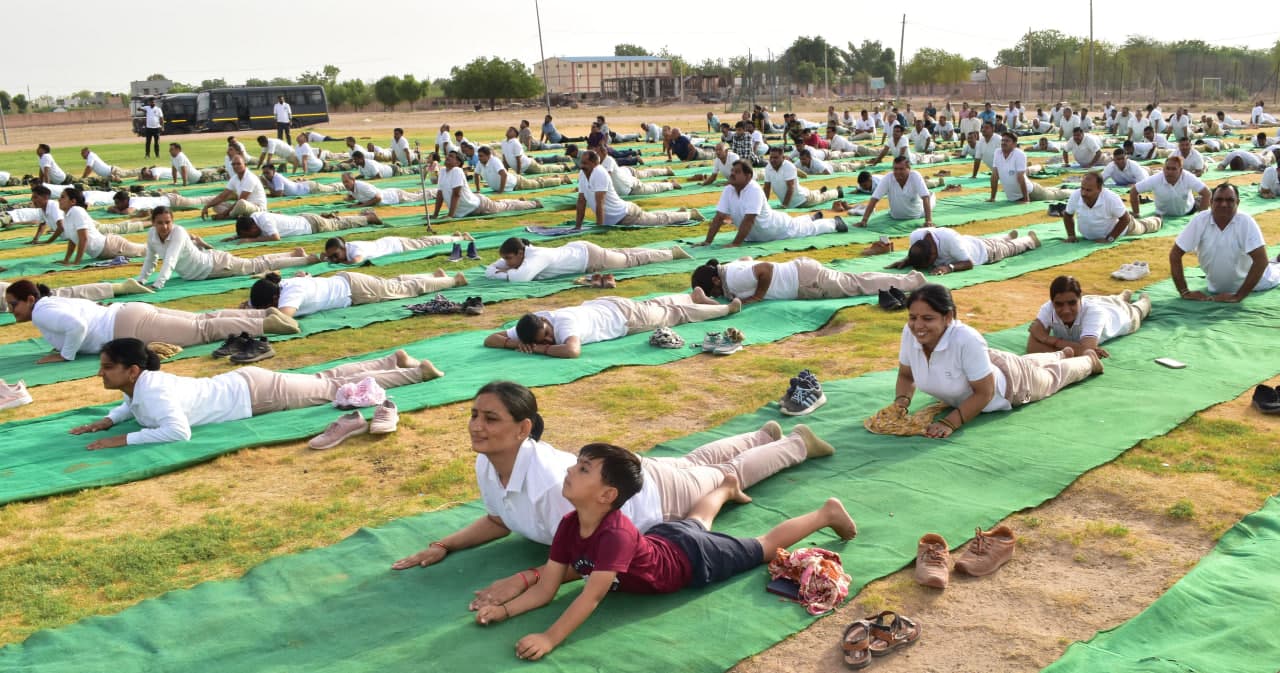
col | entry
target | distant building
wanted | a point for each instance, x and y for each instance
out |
(623, 77)
(1009, 81)
(150, 87)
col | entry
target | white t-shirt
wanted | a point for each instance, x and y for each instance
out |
(594, 320)
(1172, 199)
(614, 207)
(280, 183)
(750, 201)
(56, 174)
(1193, 162)
(467, 200)
(445, 142)
(842, 144)
(1102, 320)
(52, 214)
(400, 149)
(959, 358)
(278, 149)
(920, 139)
(373, 169)
(532, 503)
(778, 178)
(621, 177)
(491, 172)
(1270, 181)
(899, 148)
(513, 154)
(271, 224)
(249, 183)
(1131, 174)
(74, 326)
(97, 197)
(1224, 253)
(867, 125)
(180, 256)
(725, 167)
(818, 167)
(1095, 223)
(953, 247)
(1084, 152)
(541, 263)
(99, 166)
(740, 280)
(307, 158)
(906, 202)
(387, 245)
(183, 166)
(1008, 168)
(364, 192)
(284, 113)
(987, 149)
(312, 294)
(1252, 162)
(167, 406)
(155, 116)
(76, 220)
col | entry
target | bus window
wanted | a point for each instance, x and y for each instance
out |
(258, 100)
(297, 98)
(315, 97)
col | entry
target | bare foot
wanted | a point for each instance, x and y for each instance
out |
(537, 203)
(839, 520)
(370, 215)
(1095, 361)
(735, 306)
(459, 280)
(700, 297)
(736, 494)
(1013, 234)
(675, 185)
(429, 371)
(1035, 240)
(440, 273)
(299, 252)
(1068, 352)
(465, 236)
(1144, 305)
(1126, 295)
(404, 360)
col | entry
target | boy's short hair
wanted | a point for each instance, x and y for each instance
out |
(619, 469)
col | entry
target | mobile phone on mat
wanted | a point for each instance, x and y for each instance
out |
(1170, 363)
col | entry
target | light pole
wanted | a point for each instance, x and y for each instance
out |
(546, 85)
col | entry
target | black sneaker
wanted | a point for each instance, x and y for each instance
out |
(839, 192)
(254, 350)
(889, 302)
(1057, 209)
(841, 227)
(471, 251)
(473, 306)
(899, 295)
(1266, 399)
(233, 344)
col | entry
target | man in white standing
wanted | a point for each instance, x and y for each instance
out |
(152, 125)
(284, 121)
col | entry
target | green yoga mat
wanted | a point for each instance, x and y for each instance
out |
(297, 612)
(1220, 617)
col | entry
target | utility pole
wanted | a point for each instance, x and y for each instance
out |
(1090, 53)
(826, 77)
(902, 40)
(546, 85)
(1027, 73)
(3, 128)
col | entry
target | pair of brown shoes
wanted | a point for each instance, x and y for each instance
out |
(988, 551)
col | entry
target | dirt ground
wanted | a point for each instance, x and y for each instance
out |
(1075, 571)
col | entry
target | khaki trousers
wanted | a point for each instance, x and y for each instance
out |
(666, 311)
(275, 391)
(537, 183)
(314, 187)
(226, 265)
(1135, 313)
(820, 282)
(531, 166)
(326, 224)
(126, 227)
(180, 202)
(1041, 193)
(425, 241)
(642, 188)
(488, 206)
(813, 197)
(412, 196)
(366, 289)
(148, 322)
(847, 166)
(751, 457)
(652, 172)
(1031, 378)
(1000, 247)
(1146, 225)
(90, 291)
(639, 216)
(240, 207)
(601, 259)
(116, 246)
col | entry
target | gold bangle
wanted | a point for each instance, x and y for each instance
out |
(504, 609)
(947, 423)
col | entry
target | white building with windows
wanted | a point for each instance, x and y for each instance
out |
(626, 77)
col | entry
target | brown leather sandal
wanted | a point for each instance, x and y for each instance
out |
(889, 635)
(856, 644)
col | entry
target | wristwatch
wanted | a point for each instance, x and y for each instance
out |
(1111, 239)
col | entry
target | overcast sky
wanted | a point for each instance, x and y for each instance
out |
(70, 45)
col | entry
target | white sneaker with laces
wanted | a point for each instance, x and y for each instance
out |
(13, 395)
(385, 419)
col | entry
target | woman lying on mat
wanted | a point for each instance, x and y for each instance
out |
(800, 278)
(91, 291)
(74, 326)
(340, 251)
(523, 261)
(949, 360)
(167, 406)
(1072, 319)
(520, 475)
(305, 294)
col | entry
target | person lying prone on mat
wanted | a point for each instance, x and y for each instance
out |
(340, 251)
(800, 278)
(74, 326)
(946, 251)
(562, 333)
(520, 260)
(304, 294)
(262, 227)
(168, 406)
(519, 478)
(598, 541)
(943, 357)
(1072, 319)
(90, 291)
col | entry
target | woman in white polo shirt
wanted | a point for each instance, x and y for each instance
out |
(1177, 192)
(519, 260)
(260, 227)
(193, 259)
(75, 326)
(520, 476)
(90, 291)
(949, 360)
(800, 278)
(304, 294)
(1072, 319)
(340, 251)
(83, 237)
(168, 406)
(1100, 215)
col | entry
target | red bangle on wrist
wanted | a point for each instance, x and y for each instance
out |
(437, 543)
(537, 576)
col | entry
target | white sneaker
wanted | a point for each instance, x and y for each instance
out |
(1137, 270)
(385, 419)
(1123, 272)
(14, 395)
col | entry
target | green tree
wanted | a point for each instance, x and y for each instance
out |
(281, 81)
(814, 50)
(216, 83)
(327, 76)
(357, 94)
(871, 59)
(935, 66)
(410, 90)
(387, 91)
(805, 73)
(492, 78)
(976, 64)
(156, 76)
(5, 101)
(1047, 48)
(679, 66)
(182, 87)
(20, 101)
(627, 49)
(256, 81)
(335, 94)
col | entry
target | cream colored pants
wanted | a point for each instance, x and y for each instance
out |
(1031, 378)
(820, 282)
(226, 265)
(278, 391)
(366, 289)
(666, 311)
(601, 259)
(147, 322)
(751, 457)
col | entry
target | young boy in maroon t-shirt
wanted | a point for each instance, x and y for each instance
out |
(600, 543)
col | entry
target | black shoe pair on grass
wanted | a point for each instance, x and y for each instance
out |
(893, 299)
(243, 349)
(1266, 399)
